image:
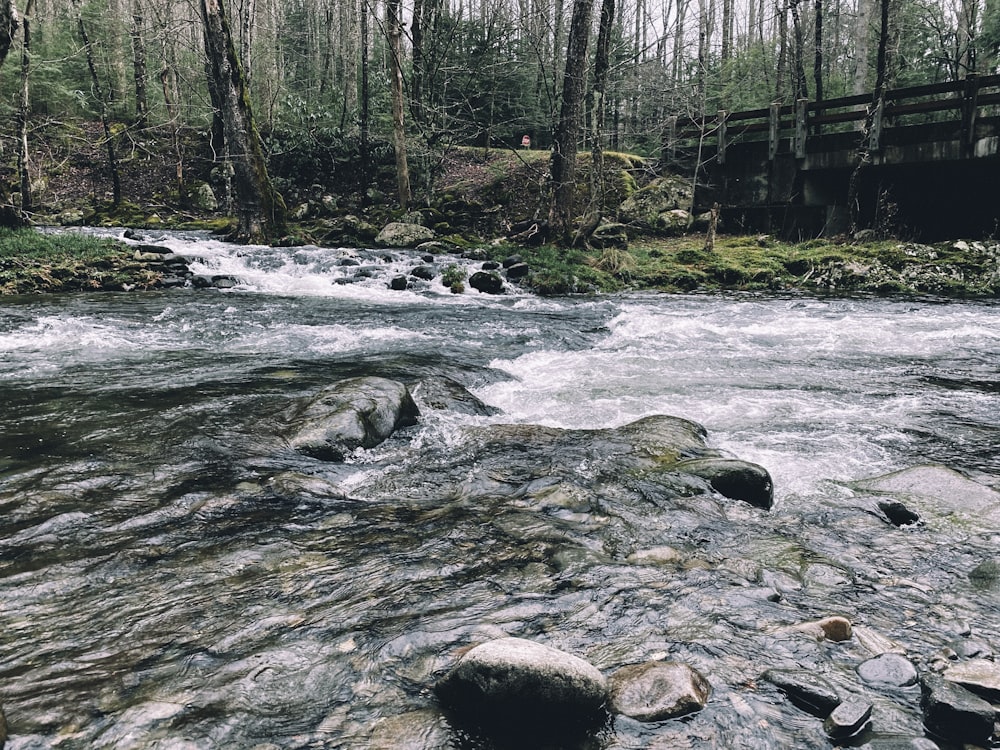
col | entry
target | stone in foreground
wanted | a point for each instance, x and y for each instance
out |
(513, 681)
(656, 691)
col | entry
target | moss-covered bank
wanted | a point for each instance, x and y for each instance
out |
(33, 262)
(763, 263)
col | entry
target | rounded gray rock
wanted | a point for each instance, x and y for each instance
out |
(888, 669)
(517, 680)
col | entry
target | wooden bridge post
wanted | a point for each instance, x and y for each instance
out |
(774, 130)
(801, 109)
(875, 136)
(970, 109)
(720, 155)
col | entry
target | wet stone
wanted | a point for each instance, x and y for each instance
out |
(954, 713)
(518, 271)
(656, 691)
(847, 719)
(487, 282)
(898, 514)
(835, 628)
(895, 742)
(981, 676)
(513, 680)
(888, 669)
(424, 272)
(805, 689)
(970, 648)
(735, 479)
(398, 283)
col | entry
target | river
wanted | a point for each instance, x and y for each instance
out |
(173, 577)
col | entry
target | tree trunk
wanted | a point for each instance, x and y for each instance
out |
(818, 52)
(23, 164)
(564, 144)
(10, 216)
(139, 65)
(965, 37)
(801, 89)
(88, 47)
(260, 210)
(597, 109)
(882, 68)
(395, 31)
(365, 106)
(9, 23)
(861, 46)
(782, 22)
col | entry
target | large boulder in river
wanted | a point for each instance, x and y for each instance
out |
(399, 234)
(354, 413)
(516, 682)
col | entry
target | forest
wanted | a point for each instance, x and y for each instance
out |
(339, 89)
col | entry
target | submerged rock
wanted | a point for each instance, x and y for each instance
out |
(416, 730)
(936, 491)
(735, 479)
(888, 669)
(954, 713)
(513, 681)
(656, 691)
(439, 392)
(354, 413)
(807, 690)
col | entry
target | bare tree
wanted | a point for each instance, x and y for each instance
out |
(564, 146)
(260, 209)
(23, 154)
(395, 32)
(137, 35)
(102, 103)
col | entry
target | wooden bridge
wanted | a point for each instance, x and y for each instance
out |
(932, 161)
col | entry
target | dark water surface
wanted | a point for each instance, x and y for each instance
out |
(174, 577)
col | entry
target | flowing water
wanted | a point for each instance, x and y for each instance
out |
(173, 576)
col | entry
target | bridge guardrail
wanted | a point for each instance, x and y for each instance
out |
(955, 107)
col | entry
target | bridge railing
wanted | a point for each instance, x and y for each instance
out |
(953, 107)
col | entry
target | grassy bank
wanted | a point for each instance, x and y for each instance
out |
(763, 263)
(32, 262)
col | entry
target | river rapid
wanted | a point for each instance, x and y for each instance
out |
(173, 576)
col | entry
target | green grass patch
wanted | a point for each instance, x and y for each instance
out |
(32, 262)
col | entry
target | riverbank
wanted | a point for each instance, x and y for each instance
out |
(32, 262)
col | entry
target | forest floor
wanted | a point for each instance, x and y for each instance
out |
(75, 189)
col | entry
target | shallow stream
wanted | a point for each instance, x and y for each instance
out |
(174, 577)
